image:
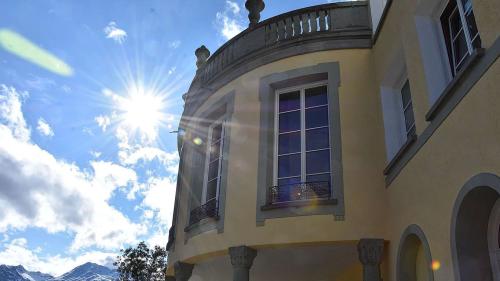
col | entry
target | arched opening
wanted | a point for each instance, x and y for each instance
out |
(494, 239)
(414, 257)
(474, 221)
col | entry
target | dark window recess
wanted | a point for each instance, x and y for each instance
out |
(460, 32)
(408, 109)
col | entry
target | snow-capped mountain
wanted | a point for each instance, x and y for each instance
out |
(88, 272)
(18, 273)
(85, 272)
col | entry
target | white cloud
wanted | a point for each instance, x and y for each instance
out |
(11, 114)
(113, 32)
(229, 22)
(41, 191)
(44, 128)
(103, 121)
(233, 6)
(95, 154)
(174, 44)
(172, 70)
(17, 252)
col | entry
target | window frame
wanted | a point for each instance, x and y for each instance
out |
(413, 128)
(457, 64)
(303, 150)
(214, 124)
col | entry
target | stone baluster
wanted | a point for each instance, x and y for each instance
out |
(183, 271)
(202, 54)
(254, 8)
(242, 259)
(370, 253)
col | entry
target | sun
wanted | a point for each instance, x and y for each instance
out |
(142, 110)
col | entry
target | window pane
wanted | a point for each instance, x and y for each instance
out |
(319, 178)
(316, 96)
(216, 132)
(467, 4)
(318, 161)
(289, 101)
(409, 118)
(211, 190)
(289, 181)
(455, 23)
(406, 94)
(214, 151)
(317, 117)
(289, 143)
(317, 139)
(289, 165)
(289, 121)
(460, 48)
(471, 24)
(213, 170)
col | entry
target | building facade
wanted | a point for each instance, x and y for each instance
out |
(346, 141)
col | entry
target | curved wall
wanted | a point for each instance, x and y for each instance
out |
(362, 161)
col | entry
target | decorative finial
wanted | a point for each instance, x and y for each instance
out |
(202, 54)
(254, 8)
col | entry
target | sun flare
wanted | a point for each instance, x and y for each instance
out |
(143, 111)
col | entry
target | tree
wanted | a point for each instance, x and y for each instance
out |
(142, 264)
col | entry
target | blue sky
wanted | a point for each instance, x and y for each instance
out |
(89, 93)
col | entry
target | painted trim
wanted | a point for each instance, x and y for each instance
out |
(455, 95)
(381, 22)
(479, 180)
(404, 148)
(419, 233)
(462, 74)
(215, 223)
(267, 88)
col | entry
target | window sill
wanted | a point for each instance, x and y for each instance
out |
(450, 89)
(411, 140)
(201, 223)
(298, 204)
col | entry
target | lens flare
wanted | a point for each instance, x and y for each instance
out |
(436, 265)
(18, 45)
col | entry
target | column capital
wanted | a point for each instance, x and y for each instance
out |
(242, 256)
(370, 251)
(183, 271)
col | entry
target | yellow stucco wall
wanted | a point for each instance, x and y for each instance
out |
(465, 144)
(363, 154)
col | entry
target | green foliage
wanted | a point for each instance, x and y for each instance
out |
(142, 264)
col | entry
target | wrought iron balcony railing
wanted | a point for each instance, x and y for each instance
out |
(299, 192)
(207, 210)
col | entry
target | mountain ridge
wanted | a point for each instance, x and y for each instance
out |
(85, 272)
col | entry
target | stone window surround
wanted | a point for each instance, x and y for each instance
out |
(227, 101)
(396, 137)
(267, 88)
(475, 67)
(412, 230)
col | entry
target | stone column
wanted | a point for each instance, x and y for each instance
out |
(242, 259)
(170, 278)
(370, 253)
(202, 54)
(183, 271)
(254, 8)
